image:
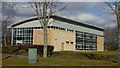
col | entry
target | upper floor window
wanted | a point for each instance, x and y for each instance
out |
(67, 42)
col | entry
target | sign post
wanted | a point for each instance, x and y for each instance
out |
(32, 55)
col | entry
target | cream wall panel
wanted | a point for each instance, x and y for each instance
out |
(57, 38)
(100, 43)
(38, 37)
(60, 37)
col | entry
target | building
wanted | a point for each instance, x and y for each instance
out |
(63, 34)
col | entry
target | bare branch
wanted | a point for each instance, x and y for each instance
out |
(110, 6)
(11, 11)
(44, 10)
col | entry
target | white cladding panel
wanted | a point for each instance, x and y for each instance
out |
(36, 23)
(76, 27)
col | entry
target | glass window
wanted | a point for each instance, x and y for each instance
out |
(67, 42)
(86, 39)
(23, 34)
(72, 42)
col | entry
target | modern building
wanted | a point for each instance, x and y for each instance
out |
(63, 34)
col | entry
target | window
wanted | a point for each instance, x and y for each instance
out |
(91, 47)
(67, 42)
(53, 27)
(18, 38)
(70, 30)
(57, 28)
(48, 26)
(80, 46)
(87, 40)
(23, 34)
(72, 42)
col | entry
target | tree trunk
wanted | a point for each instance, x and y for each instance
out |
(118, 23)
(5, 38)
(119, 45)
(118, 40)
(12, 37)
(45, 41)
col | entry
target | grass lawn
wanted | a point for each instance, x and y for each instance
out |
(68, 58)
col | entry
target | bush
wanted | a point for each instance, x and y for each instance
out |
(21, 51)
(6, 49)
(49, 50)
(19, 48)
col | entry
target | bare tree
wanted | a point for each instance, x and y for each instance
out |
(9, 10)
(116, 12)
(44, 10)
(111, 34)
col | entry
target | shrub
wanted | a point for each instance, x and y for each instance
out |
(6, 49)
(21, 51)
(49, 50)
(19, 48)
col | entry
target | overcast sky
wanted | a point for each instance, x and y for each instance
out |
(95, 13)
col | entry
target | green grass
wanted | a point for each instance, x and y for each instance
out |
(68, 58)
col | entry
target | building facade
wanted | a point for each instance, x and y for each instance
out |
(63, 34)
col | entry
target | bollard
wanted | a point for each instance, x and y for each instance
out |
(32, 55)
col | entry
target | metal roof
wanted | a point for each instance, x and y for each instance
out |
(60, 18)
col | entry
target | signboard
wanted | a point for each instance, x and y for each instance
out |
(32, 55)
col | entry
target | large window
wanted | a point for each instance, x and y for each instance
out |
(85, 41)
(23, 36)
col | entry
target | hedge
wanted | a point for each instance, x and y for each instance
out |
(6, 49)
(17, 48)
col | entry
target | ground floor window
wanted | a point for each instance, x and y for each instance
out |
(23, 36)
(86, 41)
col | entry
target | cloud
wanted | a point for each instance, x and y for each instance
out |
(90, 12)
(90, 18)
(111, 25)
(75, 8)
(102, 21)
(24, 10)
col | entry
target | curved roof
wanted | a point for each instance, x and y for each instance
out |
(60, 19)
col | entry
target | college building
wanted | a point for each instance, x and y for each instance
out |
(63, 33)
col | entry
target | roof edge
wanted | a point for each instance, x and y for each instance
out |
(36, 18)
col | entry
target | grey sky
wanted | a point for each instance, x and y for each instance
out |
(94, 13)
